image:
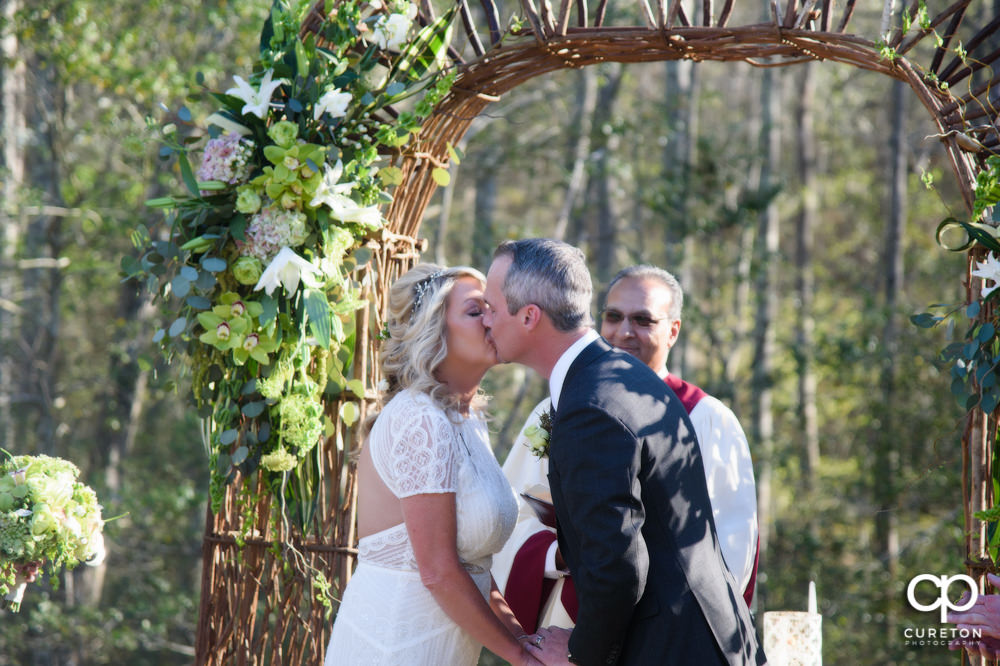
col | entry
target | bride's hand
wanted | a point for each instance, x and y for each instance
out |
(529, 660)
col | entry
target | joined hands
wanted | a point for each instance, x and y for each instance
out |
(551, 646)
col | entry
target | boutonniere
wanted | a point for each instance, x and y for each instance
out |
(538, 435)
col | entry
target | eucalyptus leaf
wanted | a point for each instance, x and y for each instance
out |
(240, 454)
(189, 273)
(253, 409)
(159, 334)
(198, 302)
(228, 436)
(205, 281)
(178, 327)
(987, 332)
(362, 255)
(990, 380)
(249, 387)
(180, 286)
(989, 401)
(973, 310)
(924, 320)
(264, 431)
(213, 264)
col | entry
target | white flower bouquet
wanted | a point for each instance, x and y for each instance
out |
(47, 517)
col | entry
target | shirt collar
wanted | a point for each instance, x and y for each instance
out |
(561, 367)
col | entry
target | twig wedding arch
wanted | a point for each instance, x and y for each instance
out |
(255, 609)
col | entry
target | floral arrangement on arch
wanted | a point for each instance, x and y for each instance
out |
(48, 518)
(974, 358)
(284, 182)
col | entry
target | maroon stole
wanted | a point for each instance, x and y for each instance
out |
(527, 587)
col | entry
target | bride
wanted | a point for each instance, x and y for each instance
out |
(433, 504)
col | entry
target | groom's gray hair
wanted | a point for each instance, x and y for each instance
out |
(551, 274)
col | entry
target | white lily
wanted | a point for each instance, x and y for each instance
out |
(285, 270)
(333, 195)
(334, 101)
(256, 101)
(390, 31)
(989, 270)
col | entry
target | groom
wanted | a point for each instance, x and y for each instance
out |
(635, 520)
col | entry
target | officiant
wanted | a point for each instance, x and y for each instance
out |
(642, 316)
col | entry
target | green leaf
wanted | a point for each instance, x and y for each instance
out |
(391, 175)
(427, 47)
(349, 413)
(318, 312)
(455, 154)
(974, 233)
(357, 387)
(441, 176)
(188, 175)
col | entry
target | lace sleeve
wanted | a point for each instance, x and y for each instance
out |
(414, 448)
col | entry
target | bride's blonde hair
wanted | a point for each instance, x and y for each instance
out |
(417, 333)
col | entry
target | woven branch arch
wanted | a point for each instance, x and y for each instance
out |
(253, 611)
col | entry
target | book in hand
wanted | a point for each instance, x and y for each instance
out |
(540, 500)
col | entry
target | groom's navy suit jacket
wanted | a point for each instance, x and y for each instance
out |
(635, 523)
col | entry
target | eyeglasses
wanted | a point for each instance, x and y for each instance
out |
(641, 321)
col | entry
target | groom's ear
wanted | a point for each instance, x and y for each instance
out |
(531, 315)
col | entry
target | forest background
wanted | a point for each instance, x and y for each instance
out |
(793, 203)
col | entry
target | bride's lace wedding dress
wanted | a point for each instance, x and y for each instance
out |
(387, 617)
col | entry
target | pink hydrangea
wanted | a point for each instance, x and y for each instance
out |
(226, 159)
(272, 229)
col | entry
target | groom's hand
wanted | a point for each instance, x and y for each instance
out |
(553, 646)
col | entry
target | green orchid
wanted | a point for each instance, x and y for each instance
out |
(258, 345)
(227, 324)
(295, 170)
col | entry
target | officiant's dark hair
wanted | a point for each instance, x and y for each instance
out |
(551, 274)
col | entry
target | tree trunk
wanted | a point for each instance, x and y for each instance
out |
(11, 221)
(605, 224)
(483, 235)
(887, 454)
(804, 291)
(579, 148)
(683, 92)
(767, 305)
